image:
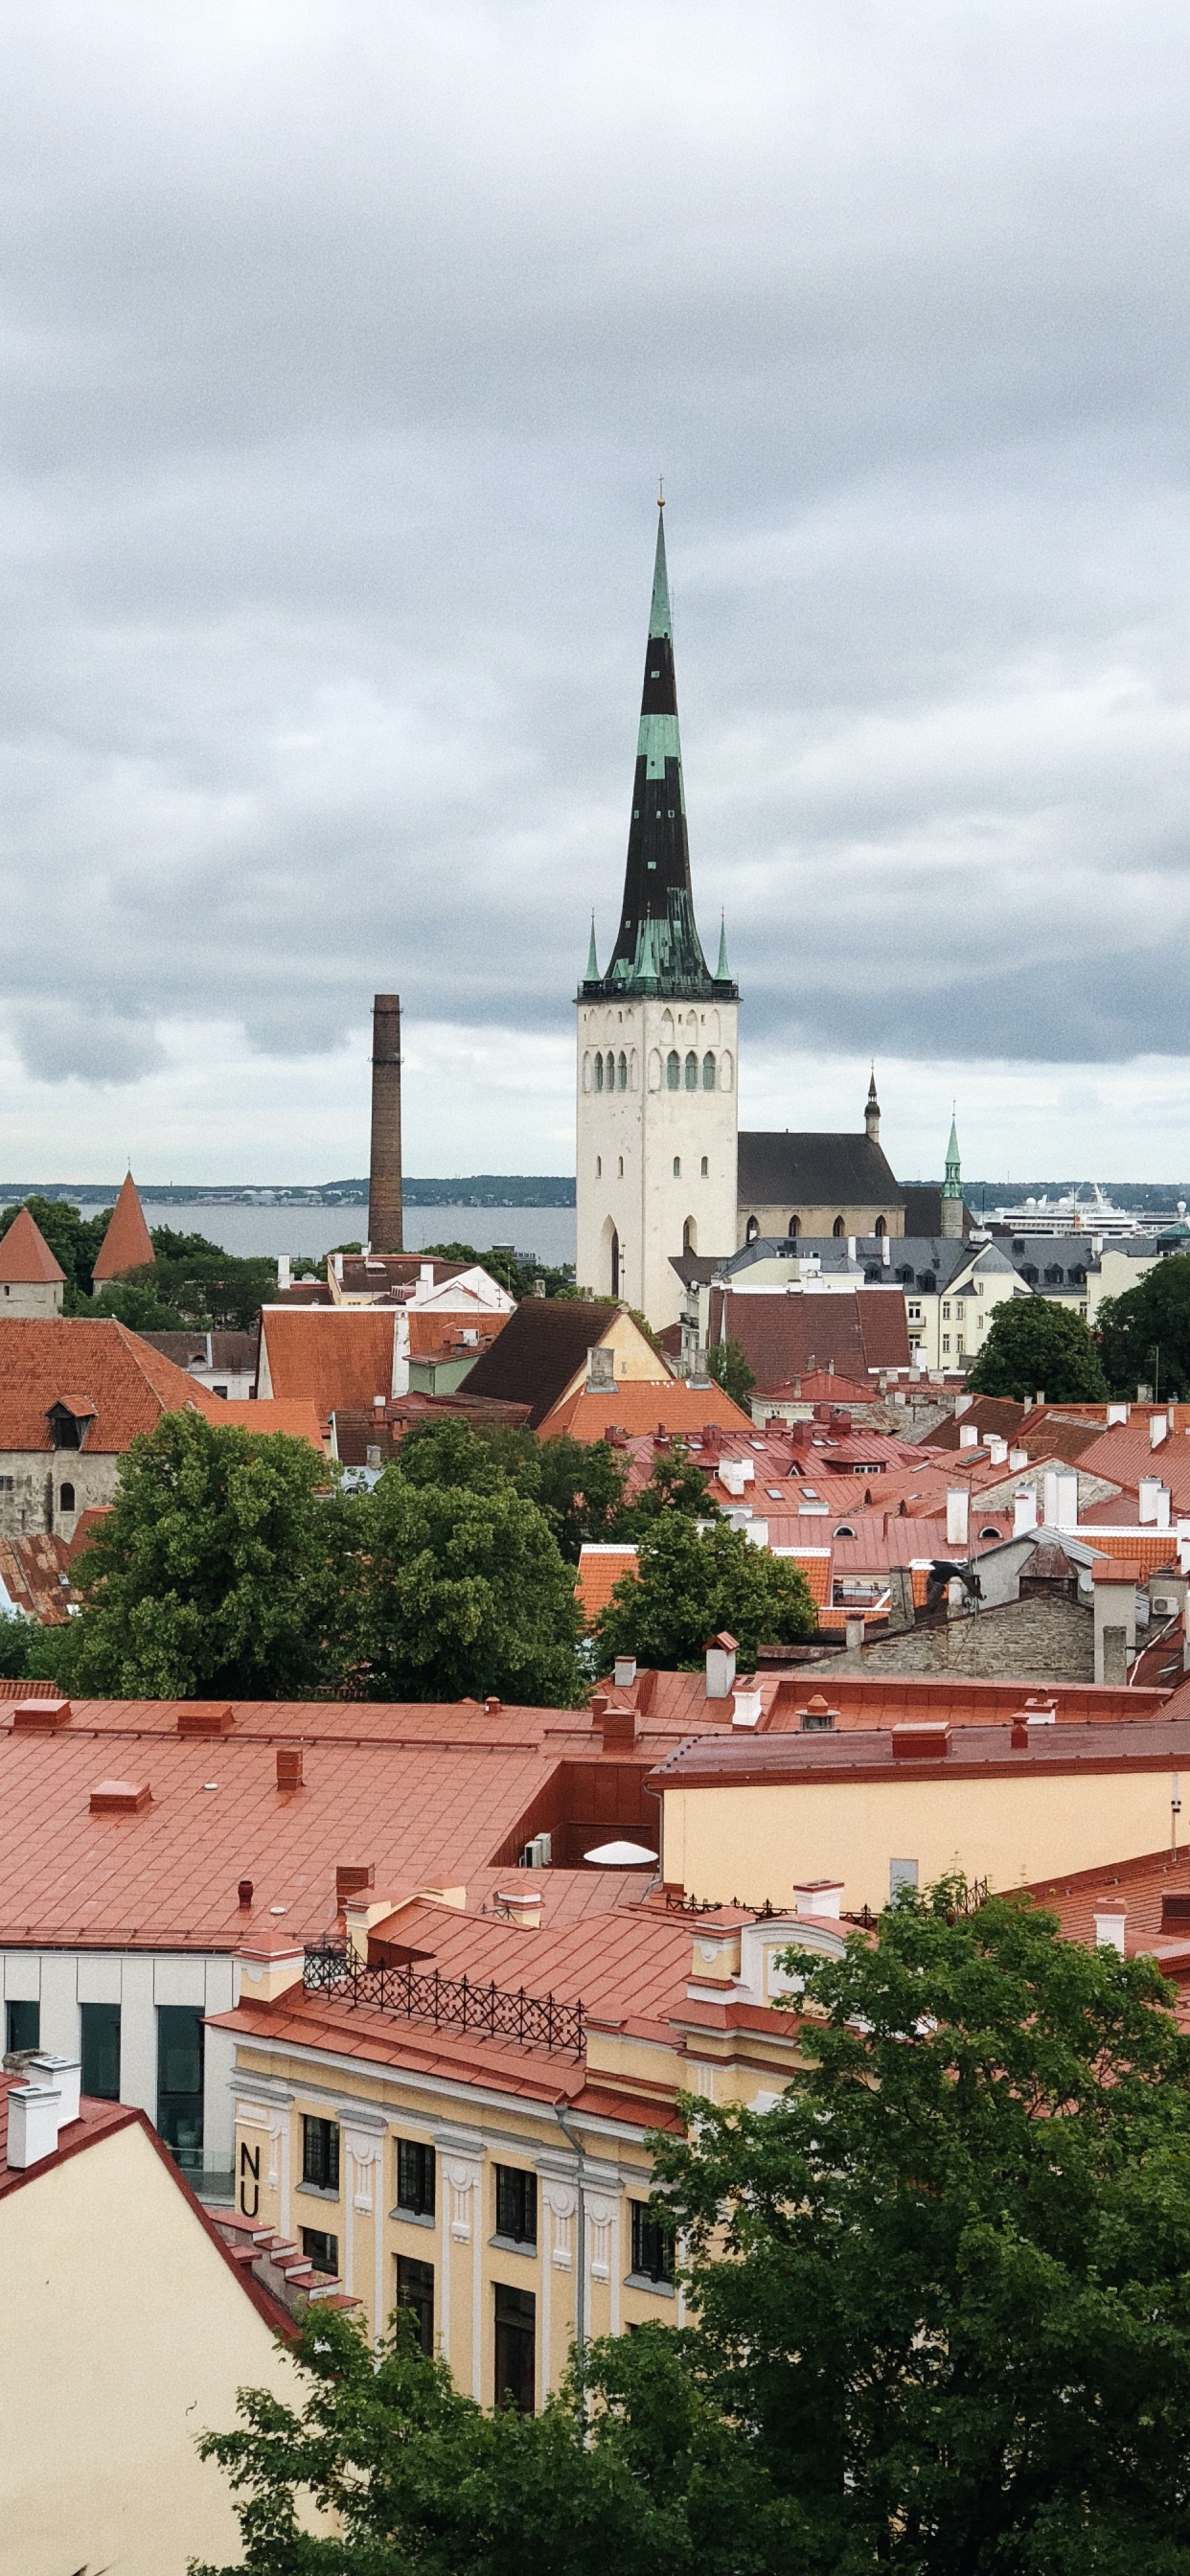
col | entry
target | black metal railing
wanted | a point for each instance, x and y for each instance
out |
(447, 2003)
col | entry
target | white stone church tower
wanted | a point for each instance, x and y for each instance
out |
(657, 1042)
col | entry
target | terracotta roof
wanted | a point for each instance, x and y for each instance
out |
(46, 1361)
(35, 1573)
(358, 1428)
(1123, 1456)
(786, 1336)
(378, 1273)
(763, 1760)
(25, 1257)
(641, 1406)
(296, 1416)
(127, 1245)
(435, 1333)
(996, 1413)
(543, 1344)
(822, 1386)
(335, 1357)
(814, 1170)
(599, 1571)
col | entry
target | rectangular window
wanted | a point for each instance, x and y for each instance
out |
(320, 2154)
(958, 1344)
(179, 2082)
(516, 2205)
(415, 2178)
(415, 2289)
(101, 2051)
(946, 1341)
(322, 2251)
(914, 1311)
(960, 1311)
(516, 2349)
(22, 2025)
(652, 2244)
(901, 1873)
(946, 1310)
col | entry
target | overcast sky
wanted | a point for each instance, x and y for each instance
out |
(341, 346)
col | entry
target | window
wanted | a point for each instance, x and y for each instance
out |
(705, 1167)
(708, 1073)
(946, 1310)
(673, 1070)
(880, 1229)
(901, 1873)
(990, 1531)
(652, 2244)
(179, 2082)
(415, 2289)
(623, 1070)
(66, 1499)
(752, 1229)
(959, 1311)
(793, 1229)
(838, 1229)
(689, 1235)
(599, 1073)
(599, 1167)
(516, 2205)
(620, 1173)
(615, 1263)
(946, 1341)
(8, 1484)
(415, 2177)
(321, 2250)
(913, 1310)
(677, 1167)
(66, 1429)
(22, 2025)
(320, 2154)
(516, 2349)
(977, 1284)
(958, 1345)
(101, 2051)
(692, 1071)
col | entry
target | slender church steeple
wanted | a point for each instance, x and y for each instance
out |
(657, 948)
(952, 1188)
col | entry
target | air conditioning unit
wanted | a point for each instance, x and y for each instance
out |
(539, 1854)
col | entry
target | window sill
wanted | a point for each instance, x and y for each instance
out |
(414, 2217)
(515, 2245)
(644, 2281)
(317, 2191)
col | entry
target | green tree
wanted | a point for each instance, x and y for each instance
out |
(944, 2285)
(728, 1364)
(222, 1567)
(578, 1486)
(519, 1277)
(676, 1483)
(689, 1584)
(1035, 1345)
(136, 1302)
(628, 2468)
(465, 1592)
(1144, 1335)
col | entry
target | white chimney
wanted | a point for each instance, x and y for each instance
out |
(886, 1249)
(819, 1896)
(721, 1654)
(1148, 1490)
(1116, 1413)
(1024, 1510)
(625, 1673)
(67, 2074)
(1158, 1429)
(1066, 1499)
(1163, 1503)
(33, 2115)
(1109, 1928)
(997, 1449)
(1018, 1458)
(1049, 1498)
(731, 1475)
(968, 1435)
(284, 1270)
(957, 1506)
(425, 1274)
(522, 1906)
(745, 1704)
(962, 1404)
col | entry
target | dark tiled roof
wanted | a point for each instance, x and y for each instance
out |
(538, 1352)
(923, 1209)
(814, 1171)
(232, 1351)
(787, 1337)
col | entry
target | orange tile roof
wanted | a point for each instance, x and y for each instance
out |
(889, 1699)
(336, 1357)
(599, 1571)
(436, 1333)
(296, 1416)
(1123, 1456)
(1146, 1547)
(127, 1245)
(48, 1361)
(25, 1257)
(639, 1405)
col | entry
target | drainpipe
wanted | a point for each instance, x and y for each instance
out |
(580, 2285)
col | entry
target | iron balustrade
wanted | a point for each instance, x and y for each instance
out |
(448, 2003)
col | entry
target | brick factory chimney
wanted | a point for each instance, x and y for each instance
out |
(384, 1183)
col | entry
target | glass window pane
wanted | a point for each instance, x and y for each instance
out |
(101, 2051)
(22, 2025)
(180, 2081)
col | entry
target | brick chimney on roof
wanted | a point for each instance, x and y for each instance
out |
(385, 1215)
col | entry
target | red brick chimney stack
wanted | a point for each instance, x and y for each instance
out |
(385, 1231)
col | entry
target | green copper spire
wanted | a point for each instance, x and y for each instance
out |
(592, 957)
(952, 1187)
(722, 970)
(657, 948)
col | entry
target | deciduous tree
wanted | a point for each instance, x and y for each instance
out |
(689, 1584)
(1036, 1346)
(1144, 1335)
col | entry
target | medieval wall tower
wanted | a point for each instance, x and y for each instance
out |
(657, 1041)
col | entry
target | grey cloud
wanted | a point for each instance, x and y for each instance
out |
(65, 1041)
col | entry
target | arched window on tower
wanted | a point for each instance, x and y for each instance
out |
(880, 1229)
(838, 1228)
(705, 1167)
(623, 1070)
(615, 1251)
(673, 1070)
(599, 1073)
(794, 1227)
(708, 1072)
(677, 1167)
(692, 1071)
(752, 1229)
(689, 1236)
(611, 1070)
(66, 1493)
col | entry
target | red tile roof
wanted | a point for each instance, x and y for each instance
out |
(127, 1245)
(296, 1416)
(435, 1333)
(25, 1257)
(1123, 1455)
(47, 1361)
(35, 1573)
(336, 1357)
(786, 1336)
(639, 1406)
(763, 1760)
(599, 1571)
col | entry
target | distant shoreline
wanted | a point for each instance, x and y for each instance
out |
(478, 1190)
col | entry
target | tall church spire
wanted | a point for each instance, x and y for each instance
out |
(657, 948)
(952, 1188)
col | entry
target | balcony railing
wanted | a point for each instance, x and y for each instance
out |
(447, 2003)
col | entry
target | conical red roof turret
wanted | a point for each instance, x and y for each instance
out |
(25, 1256)
(127, 1245)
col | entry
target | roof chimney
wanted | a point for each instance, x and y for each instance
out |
(1024, 1510)
(1148, 1489)
(745, 1704)
(968, 1435)
(385, 1233)
(1110, 1919)
(614, 1720)
(45, 1716)
(34, 2112)
(625, 1672)
(522, 1905)
(957, 1505)
(64, 2072)
(244, 1893)
(721, 1655)
(289, 1766)
(997, 1448)
(921, 1739)
(819, 1896)
(351, 1877)
(1158, 1429)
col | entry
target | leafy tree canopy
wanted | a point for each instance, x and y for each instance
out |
(944, 2285)
(689, 1584)
(466, 1593)
(578, 1487)
(728, 1364)
(628, 2469)
(1144, 1335)
(676, 1483)
(1035, 1345)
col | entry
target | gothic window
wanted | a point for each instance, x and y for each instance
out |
(838, 1228)
(620, 1174)
(708, 1072)
(66, 1499)
(794, 1227)
(615, 1263)
(599, 1167)
(690, 1236)
(725, 1072)
(599, 1073)
(677, 1167)
(623, 1070)
(673, 1070)
(752, 1229)
(692, 1071)
(611, 1070)
(705, 1167)
(880, 1229)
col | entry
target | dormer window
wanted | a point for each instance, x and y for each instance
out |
(70, 1419)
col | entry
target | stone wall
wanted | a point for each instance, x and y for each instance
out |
(1041, 1640)
(31, 1483)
